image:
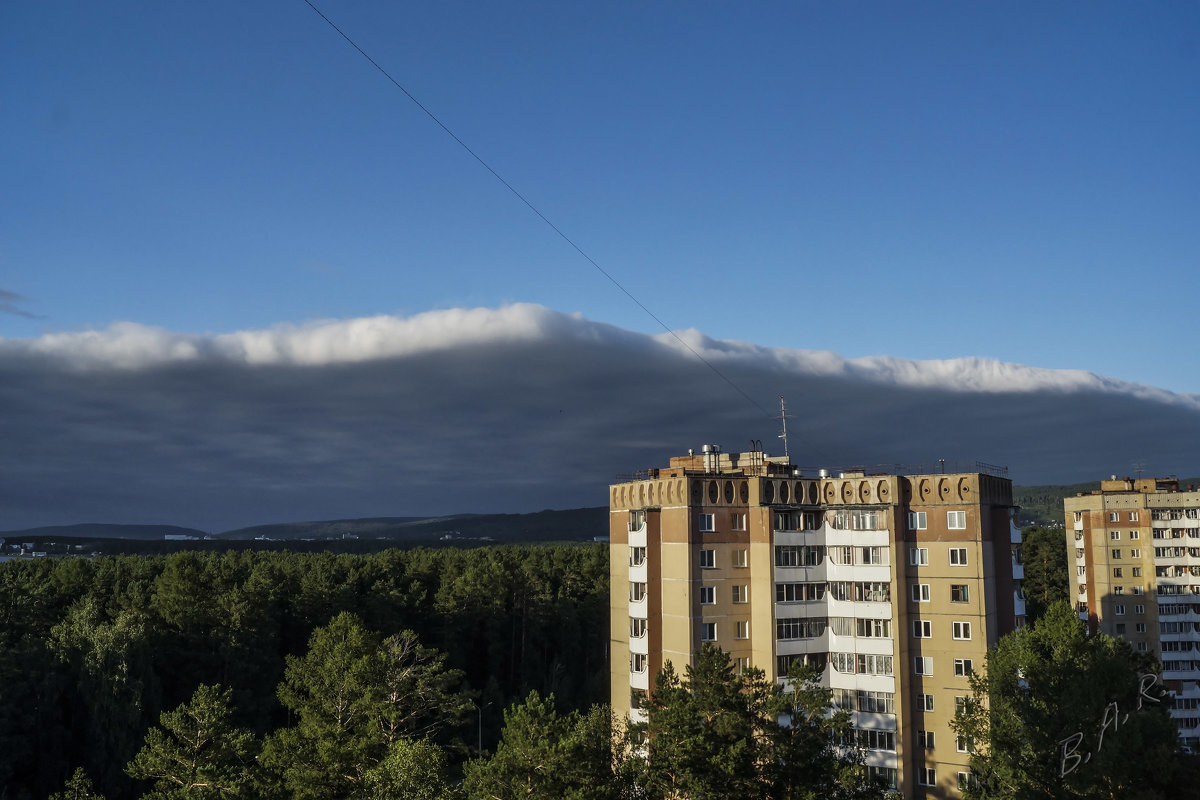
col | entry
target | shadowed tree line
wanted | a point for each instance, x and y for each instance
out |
(92, 652)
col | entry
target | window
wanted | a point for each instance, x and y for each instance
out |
(739, 558)
(708, 559)
(1141, 647)
(637, 627)
(916, 520)
(1115, 536)
(1139, 627)
(956, 520)
(1116, 553)
(743, 664)
(872, 555)
(842, 554)
(966, 780)
(637, 556)
(708, 631)
(1119, 610)
(959, 593)
(799, 592)
(1081, 570)
(637, 662)
(1135, 534)
(741, 594)
(637, 519)
(1137, 589)
(961, 630)
(637, 592)
(873, 628)
(920, 592)
(1114, 516)
(876, 740)
(1118, 590)
(918, 556)
(924, 702)
(923, 665)
(962, 667)
(737, 522)
(708, 595)
(926, 776)
(922, 629)
(1117, 572)
(962, 744)
(800, 627)
(1137, 573)
(958, 556)
(1139, 609)
(1135, 552)
(1133, 516)
(960, 704)
(706, 522)
(743, 629)
(785, 521)
(874, 702)
(795, 555)
(925, 739)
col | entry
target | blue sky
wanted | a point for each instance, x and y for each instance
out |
(1018, 181)
(237, 265)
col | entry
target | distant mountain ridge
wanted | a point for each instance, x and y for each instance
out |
(549, 525)
(101, 530)
(1040, 505)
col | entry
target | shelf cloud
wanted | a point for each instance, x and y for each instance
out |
(511, 409)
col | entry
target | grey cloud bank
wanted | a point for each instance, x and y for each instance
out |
(503, 410)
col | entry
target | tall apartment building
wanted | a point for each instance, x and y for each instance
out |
(1134, 553)
(894, 585)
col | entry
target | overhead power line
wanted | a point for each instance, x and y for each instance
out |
(535, 210)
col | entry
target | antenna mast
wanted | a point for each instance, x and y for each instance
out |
(783, 417)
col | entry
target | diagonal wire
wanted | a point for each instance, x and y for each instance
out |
(535, 210)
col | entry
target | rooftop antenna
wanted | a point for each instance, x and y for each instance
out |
(783, 417)
(1139, 467)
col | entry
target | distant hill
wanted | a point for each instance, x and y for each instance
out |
(95, 530)
(572, 524)
(1043, 505)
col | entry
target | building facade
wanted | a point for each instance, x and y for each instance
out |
(1133, 548)
(893, 585)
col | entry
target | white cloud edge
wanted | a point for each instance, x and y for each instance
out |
(132, 346)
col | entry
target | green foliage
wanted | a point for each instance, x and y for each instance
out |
(413, 769)
(196, 752)
(1046, 577)
(1046, 683)
(543, 755)
(93, 650)
(78, 787)
(354, 696)
(717, 735)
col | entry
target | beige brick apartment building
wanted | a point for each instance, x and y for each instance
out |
(895, 585)
(1133, 549)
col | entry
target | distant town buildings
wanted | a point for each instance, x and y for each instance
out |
(894, 586)
(1133, 550)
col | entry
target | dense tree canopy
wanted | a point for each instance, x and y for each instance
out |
(1046, 578)
(716, 733)
(1063, 715)
(92, 651)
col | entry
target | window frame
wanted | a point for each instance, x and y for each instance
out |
(962, 552)
(708, 558)
(918, 556)
(960, 630)
(956, 520)
(964, 667)
(919, 592)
